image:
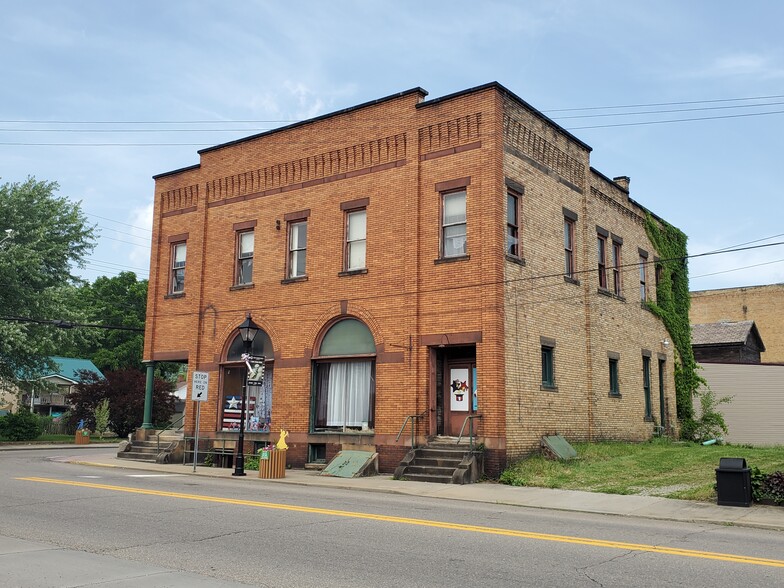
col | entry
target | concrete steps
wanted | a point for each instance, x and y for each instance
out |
(439, 462)
(150, 450)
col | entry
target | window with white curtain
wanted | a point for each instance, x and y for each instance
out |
(344, 387)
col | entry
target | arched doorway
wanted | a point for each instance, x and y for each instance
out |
(344, 378)
(259, 398)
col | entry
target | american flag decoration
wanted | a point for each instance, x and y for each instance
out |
(232, 406)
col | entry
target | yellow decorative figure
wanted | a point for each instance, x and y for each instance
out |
(282, 441)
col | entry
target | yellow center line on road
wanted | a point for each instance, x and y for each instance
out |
(744, 559)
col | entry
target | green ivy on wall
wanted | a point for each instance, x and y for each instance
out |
(672, 306)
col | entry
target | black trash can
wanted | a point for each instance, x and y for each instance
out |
(733, 482)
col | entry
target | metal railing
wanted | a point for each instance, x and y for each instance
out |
(169, 426)
(469, 420)
(413, 418)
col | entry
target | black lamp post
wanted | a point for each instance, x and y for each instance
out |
(248, 330)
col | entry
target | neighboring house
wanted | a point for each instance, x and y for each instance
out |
(50, 399)
(755, 415)
(762, 304)
(446, 261)
(727, 342)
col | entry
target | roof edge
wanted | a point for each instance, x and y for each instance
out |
(506, 91)
(176, 171)
(416, 90)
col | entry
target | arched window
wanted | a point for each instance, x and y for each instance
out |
(258, 402)
(344, 378)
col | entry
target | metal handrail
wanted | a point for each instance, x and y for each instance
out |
(470, 421)
(158, 436)
(413, 418)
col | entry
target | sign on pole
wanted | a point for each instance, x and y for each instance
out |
(255, 370)
(201, 383)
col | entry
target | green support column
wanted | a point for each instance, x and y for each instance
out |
(147, 424)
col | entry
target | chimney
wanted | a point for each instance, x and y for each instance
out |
(623, 182)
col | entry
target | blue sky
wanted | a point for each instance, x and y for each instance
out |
(107, 94)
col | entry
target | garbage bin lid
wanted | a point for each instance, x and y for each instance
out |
(732, 463)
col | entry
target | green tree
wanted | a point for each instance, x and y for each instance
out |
(124, 389)
(101, 414)
(119, 301)
(50, 237)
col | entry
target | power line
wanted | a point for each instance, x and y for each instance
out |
(606, 114)
(675, 120)
(119, 222)
(665, 103)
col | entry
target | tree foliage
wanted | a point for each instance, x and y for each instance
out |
(50, 236)
(119, 301)
(124, 389)
(101, 414)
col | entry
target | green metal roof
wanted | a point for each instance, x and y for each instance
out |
(69, 368)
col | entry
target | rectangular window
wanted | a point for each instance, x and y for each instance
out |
(616, 269)
(615, 389)
(298, 248)
(568, 248)
(512, 224)
(548, 373)
(178, 268)
(601, 251)
(245, 257)
(453, 224)
(356, 239)
(344, 395)
(643, 290)
(646, 385)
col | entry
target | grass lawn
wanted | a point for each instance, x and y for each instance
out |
(658, 468)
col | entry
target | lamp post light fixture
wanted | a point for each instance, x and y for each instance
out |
(248, 330)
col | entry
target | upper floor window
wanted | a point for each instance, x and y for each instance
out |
(643, 276)
(512, 224)
(453, 224)
(568, 247)
(601, 251)
(177, 281)
(245, 257)
(616, 269)
(356, 240)
(298, 248)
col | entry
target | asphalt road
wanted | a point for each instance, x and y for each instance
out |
(174, 530)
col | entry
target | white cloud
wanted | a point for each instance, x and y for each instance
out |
(736, 65)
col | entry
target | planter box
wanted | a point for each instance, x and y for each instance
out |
(272, 464)
(81, 438)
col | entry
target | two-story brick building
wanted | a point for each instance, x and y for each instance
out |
(444, 258)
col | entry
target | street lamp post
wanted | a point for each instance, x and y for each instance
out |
(248, 330)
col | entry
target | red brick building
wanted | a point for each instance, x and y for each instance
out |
(444, 258)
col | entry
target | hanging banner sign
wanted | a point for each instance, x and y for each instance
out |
(255, 366)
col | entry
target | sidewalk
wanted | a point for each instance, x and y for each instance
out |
(651, 507)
